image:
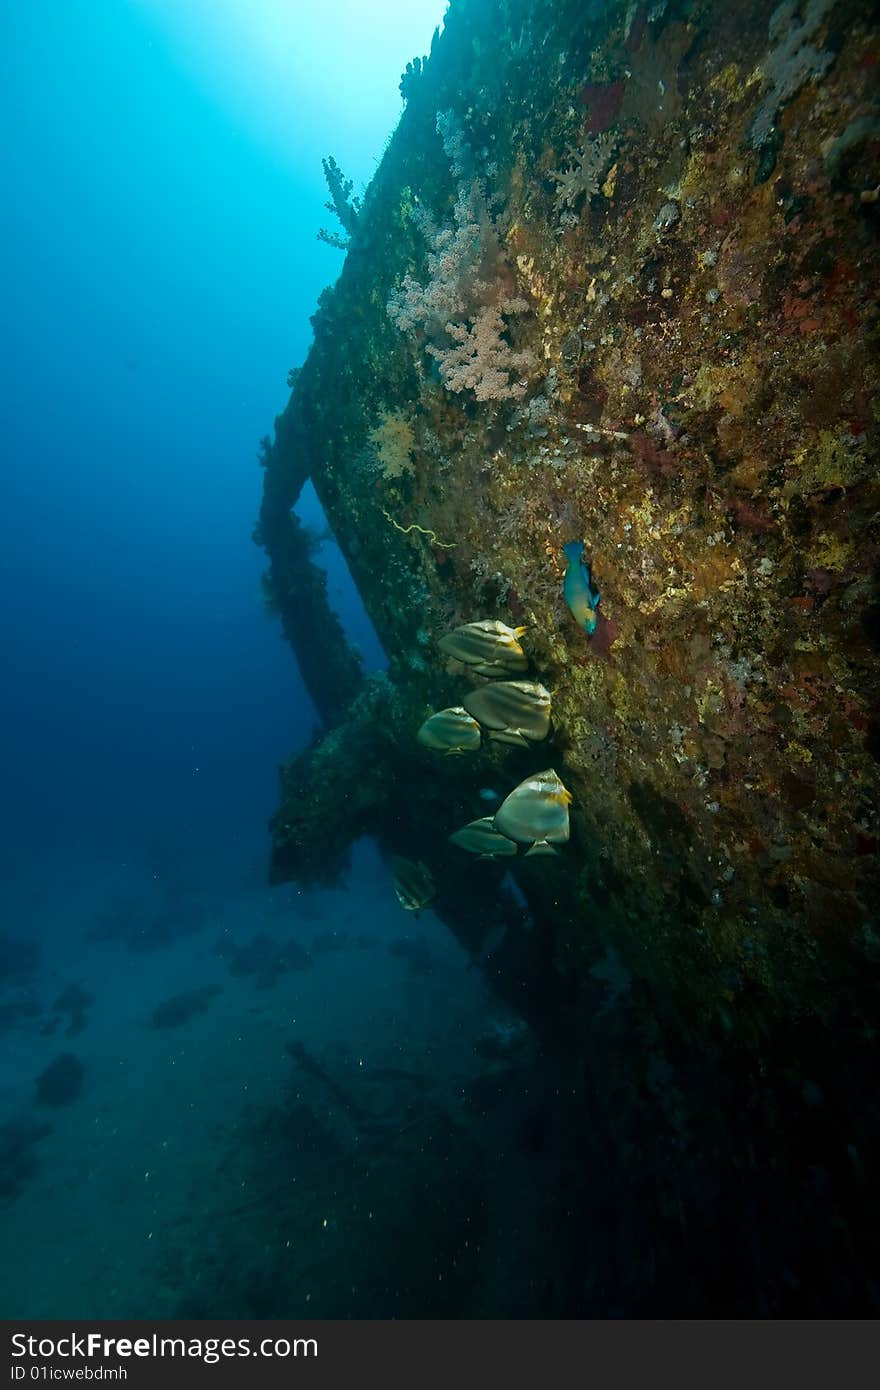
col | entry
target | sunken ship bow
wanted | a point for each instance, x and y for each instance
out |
(600, 366)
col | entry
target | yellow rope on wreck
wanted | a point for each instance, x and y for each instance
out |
(405, 530)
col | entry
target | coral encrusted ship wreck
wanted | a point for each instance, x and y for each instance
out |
(614, 282)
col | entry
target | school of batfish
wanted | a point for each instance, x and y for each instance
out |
(535, 813)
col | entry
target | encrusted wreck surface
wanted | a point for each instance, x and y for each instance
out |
(615, 281)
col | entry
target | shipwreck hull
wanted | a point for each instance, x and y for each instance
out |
(666, 348)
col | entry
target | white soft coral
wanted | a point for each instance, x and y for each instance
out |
(479, 357)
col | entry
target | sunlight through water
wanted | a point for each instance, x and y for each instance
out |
(283, 67)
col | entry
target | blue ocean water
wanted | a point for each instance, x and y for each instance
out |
(216, 1098)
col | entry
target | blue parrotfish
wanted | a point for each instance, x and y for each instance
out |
(581, 597)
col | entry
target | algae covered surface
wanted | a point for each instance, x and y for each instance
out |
(614, 282)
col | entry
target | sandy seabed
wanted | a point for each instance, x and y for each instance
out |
(280, 1139)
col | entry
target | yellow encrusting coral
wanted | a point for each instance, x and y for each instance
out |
(394, 443)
